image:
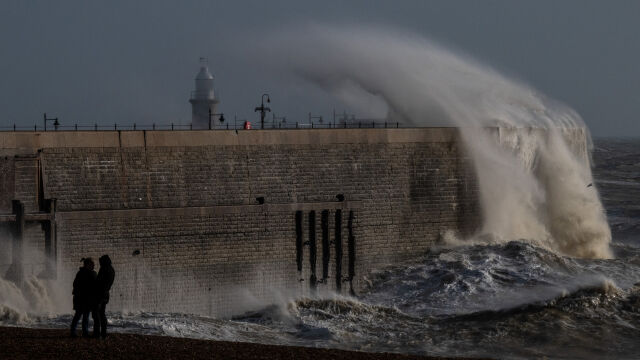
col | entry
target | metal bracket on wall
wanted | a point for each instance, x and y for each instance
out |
(17, 222)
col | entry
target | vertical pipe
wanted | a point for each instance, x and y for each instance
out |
(50, 233)
(15, 272)
(312, 248)
(299, 240)
(48, 245)
(352, 252)
(326, 255)
(338, 243)
(18, 210)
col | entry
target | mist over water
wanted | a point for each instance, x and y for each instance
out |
(33, 298)
(530, 153)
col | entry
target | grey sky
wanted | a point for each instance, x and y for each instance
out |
(134, 61)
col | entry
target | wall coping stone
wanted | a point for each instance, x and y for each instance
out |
(32, 141)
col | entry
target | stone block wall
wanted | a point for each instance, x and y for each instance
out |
(179, 216)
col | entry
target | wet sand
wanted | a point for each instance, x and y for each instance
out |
(26, 343)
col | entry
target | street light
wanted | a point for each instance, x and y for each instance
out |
(221, 118)
(263, 109)
(55, 122)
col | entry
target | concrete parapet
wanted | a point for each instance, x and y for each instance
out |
(161, 138)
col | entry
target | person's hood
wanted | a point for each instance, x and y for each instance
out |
(105, 260)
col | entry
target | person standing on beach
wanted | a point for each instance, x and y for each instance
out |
(83, 286)
(105, 278)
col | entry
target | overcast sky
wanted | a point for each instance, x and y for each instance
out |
(134, 61)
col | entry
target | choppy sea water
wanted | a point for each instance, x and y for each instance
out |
(509, 300)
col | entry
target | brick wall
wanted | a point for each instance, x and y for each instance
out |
(205, 244)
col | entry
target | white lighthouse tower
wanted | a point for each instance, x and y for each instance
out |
(203, 100)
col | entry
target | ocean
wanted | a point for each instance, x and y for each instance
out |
(506, 299)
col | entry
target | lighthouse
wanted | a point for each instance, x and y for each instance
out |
(203, 100)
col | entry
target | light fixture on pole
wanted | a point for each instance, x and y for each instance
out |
(263, 109)
(55, 122)
(221, 118)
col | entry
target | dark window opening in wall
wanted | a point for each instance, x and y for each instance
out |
(352, 252)
(299, 240)
(338, 243)
(324, 220)
(312, 248)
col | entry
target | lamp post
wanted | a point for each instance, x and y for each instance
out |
(263, 109)
(55, 122)
(221, 118)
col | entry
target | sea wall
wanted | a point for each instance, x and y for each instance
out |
(216, 222)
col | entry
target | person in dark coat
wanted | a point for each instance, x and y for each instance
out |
(105, 278)
(83, 297)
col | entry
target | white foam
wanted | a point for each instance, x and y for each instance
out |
(533, 184)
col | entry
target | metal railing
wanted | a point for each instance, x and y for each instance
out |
(237, 124)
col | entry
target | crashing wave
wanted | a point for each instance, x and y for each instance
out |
(530, 152)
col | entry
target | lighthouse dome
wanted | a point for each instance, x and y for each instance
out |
(204, 82)
(204, 73)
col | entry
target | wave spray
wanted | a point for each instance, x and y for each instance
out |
(531, 153)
